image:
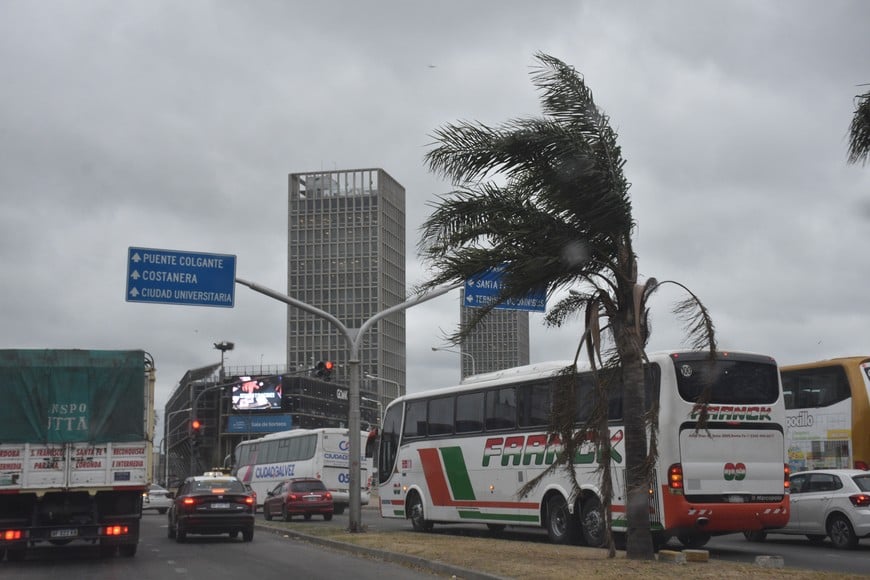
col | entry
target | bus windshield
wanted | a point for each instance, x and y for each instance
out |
(730, 381)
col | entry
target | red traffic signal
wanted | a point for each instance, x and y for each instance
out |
(324, 369)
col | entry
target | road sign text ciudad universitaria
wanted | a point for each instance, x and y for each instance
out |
(177, 277)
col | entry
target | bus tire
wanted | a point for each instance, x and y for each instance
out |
(592, 523)
(755, 535)
(694, 540)
(561, 525)
(338, 509)
(416, 515)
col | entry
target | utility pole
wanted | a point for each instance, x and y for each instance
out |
(353, 336)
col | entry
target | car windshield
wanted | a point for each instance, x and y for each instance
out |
(863, 482)
(212, 485)
(308, 486)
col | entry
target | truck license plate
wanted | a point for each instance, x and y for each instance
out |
(65, 533)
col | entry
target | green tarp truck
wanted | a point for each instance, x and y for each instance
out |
(76, 432)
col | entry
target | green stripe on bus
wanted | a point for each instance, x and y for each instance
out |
(457, 473)
(474, 515)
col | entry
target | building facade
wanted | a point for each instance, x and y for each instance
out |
(346, 256)
(499, 341)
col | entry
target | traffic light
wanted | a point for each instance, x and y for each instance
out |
(324, 369)
(195, 431)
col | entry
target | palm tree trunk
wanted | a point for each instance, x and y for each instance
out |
(639, 545)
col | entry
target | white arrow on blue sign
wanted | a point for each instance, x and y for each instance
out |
(485, 288)
(174, 277)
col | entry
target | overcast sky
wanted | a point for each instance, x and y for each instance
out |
(175, 124)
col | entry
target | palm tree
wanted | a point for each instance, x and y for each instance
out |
(547, 199)
(859, 130)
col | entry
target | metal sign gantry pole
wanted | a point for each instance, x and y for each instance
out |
(353, 336)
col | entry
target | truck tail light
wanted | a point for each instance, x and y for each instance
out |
(786, 471)
(10, 535)
(115, 531)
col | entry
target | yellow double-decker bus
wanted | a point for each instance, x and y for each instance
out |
(828, 413)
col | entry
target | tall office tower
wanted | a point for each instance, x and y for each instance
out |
(500, 341)
(346, 256)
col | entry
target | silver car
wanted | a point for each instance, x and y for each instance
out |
(827, 503)
(156, 498)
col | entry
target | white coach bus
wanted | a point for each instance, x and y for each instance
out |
(460, 454)
(320, 453)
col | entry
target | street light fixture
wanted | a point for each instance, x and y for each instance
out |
(224, 346)
(462, 352)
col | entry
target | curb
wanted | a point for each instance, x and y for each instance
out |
(414, 561)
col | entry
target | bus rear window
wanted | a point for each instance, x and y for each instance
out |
(730, 381)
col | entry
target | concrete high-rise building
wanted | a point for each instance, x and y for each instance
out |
(346, 256)
(500, 341)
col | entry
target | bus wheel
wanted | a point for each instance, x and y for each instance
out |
(561, 527)
(592, 523)
(755, 535)
(692, 541)
(415, 512)
(338, 509)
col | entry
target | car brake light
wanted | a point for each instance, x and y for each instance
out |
(675, 478)
(861, 465)
(292, 497)
(860, 500)
(11, 535)
(249, 500)
(188, 501)
(328, 495)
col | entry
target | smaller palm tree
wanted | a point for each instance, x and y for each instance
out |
(859, 130)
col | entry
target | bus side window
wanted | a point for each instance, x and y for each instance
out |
(415, 419)
(469, 413)
(501, 409)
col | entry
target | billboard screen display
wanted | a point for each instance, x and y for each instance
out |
(257, 393)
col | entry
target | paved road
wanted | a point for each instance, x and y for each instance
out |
(208, 558)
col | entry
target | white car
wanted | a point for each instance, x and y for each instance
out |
(832, 503)
(156, 498)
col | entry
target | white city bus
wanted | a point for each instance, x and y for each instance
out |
(460, 454)
(320, 453)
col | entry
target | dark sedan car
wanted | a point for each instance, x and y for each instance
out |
(208, 504)
(301, 497)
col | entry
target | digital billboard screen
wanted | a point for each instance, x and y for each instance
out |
(257, 393)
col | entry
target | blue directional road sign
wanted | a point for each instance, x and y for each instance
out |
(173, 277)
(485, 288)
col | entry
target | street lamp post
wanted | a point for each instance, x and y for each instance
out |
(165, 442)
(462, 352)
(380, 408)
(383, 380)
